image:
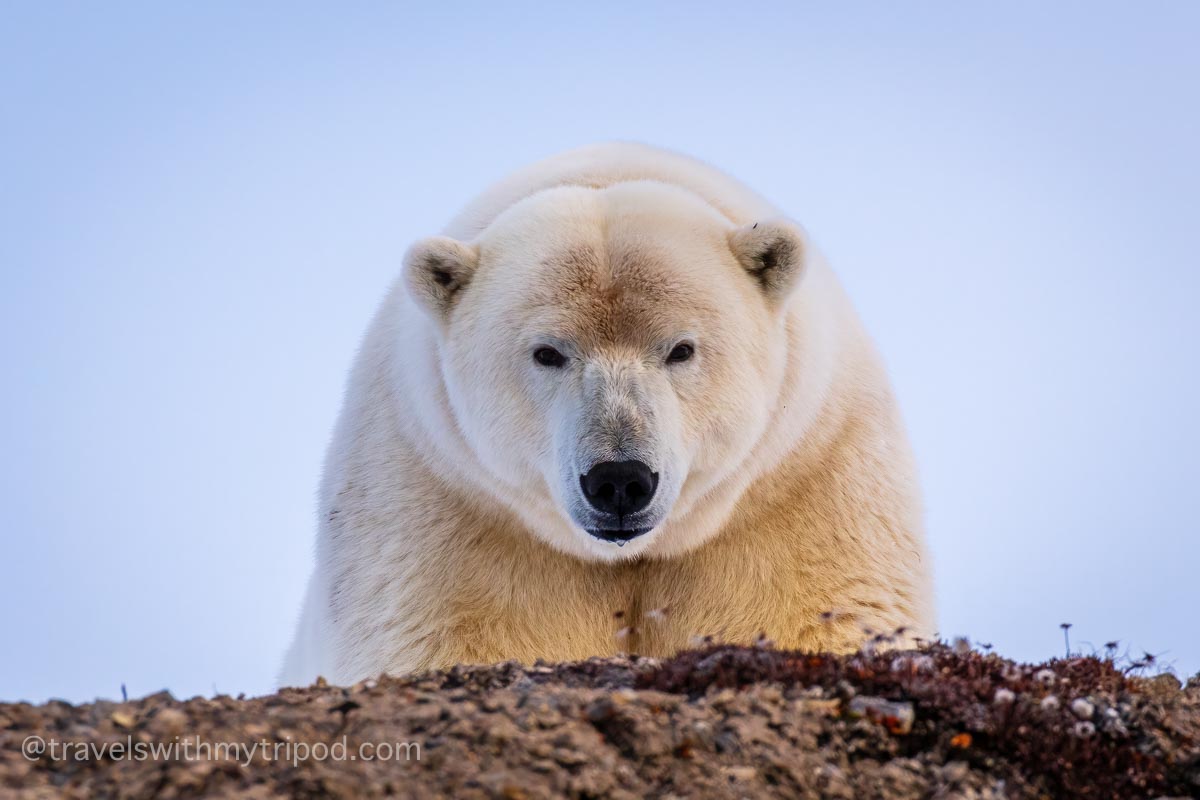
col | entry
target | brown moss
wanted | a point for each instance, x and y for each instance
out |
(1116, 752)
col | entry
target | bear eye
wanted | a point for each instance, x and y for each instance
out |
(681, 352)
(549, 357)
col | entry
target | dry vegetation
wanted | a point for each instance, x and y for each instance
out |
(718, 721)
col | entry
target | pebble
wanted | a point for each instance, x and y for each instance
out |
(123, 719)
(896, 717)
(169, 720)
(741, 773)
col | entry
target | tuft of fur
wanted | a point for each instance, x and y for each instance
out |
(448, 527)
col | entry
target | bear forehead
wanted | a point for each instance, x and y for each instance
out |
(630, 263)
(625, 290)
(600, 297)
(628, 256)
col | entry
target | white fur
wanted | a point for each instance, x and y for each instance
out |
(449, 512)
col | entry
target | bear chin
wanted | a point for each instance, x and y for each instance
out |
(618, 537)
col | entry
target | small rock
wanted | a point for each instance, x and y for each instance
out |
(828, 708)
(624, 696)
(169, 720)
(741, 773)
(570, 758)
(123, 719)
(897, 717)
(601, 710)
(955, 771)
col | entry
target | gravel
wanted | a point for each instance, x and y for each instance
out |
(714, 722)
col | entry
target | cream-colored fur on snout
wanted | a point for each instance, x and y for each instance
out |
(448, 522)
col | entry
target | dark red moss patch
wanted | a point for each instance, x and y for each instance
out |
(1089, 729)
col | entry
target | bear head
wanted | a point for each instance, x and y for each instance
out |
(610, 354)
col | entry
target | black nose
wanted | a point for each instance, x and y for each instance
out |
(619, 487)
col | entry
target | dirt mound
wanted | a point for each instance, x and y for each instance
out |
(715, 722)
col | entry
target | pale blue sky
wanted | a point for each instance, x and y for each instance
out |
(201, 205)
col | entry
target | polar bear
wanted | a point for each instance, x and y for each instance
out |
(620, 402)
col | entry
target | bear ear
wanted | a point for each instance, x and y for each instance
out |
(774, 253)
(436, 270)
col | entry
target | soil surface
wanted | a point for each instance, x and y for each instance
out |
(715, 722)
